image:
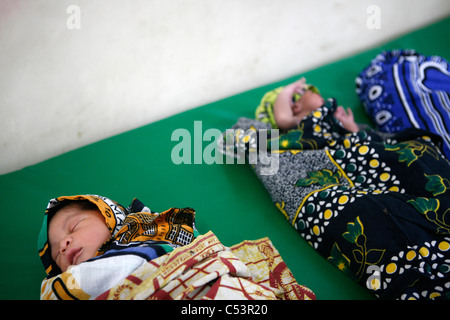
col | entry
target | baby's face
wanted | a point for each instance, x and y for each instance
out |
(309, 101)
(75, 235)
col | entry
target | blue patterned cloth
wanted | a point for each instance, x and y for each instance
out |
(402, 89)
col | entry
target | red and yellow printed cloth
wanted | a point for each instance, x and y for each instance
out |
(204, 269)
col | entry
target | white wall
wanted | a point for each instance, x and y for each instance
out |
(132, 62)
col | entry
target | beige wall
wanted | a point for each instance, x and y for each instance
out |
(76, 71)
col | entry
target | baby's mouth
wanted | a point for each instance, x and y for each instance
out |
(73, 255)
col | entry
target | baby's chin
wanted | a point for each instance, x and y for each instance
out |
(76, 263)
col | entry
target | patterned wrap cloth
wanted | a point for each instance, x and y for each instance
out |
(403, 88)
(162, 256)
(374, 205)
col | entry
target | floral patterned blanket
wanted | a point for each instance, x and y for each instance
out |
(374, 205)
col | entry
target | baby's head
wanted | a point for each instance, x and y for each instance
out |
(308, 100)
(75, 233)
(75, 228)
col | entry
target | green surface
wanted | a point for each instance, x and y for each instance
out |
(228, 198)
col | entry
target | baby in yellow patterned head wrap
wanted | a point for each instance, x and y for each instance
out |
(78, 228)
(285, 107)
(75, 233)
(94, 248)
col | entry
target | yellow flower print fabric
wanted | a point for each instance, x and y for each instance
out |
(374, 205)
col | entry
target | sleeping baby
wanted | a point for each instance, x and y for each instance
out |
(285, 107)
(76, 232)
(94, 248)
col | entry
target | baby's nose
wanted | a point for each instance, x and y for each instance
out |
(64, 244)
